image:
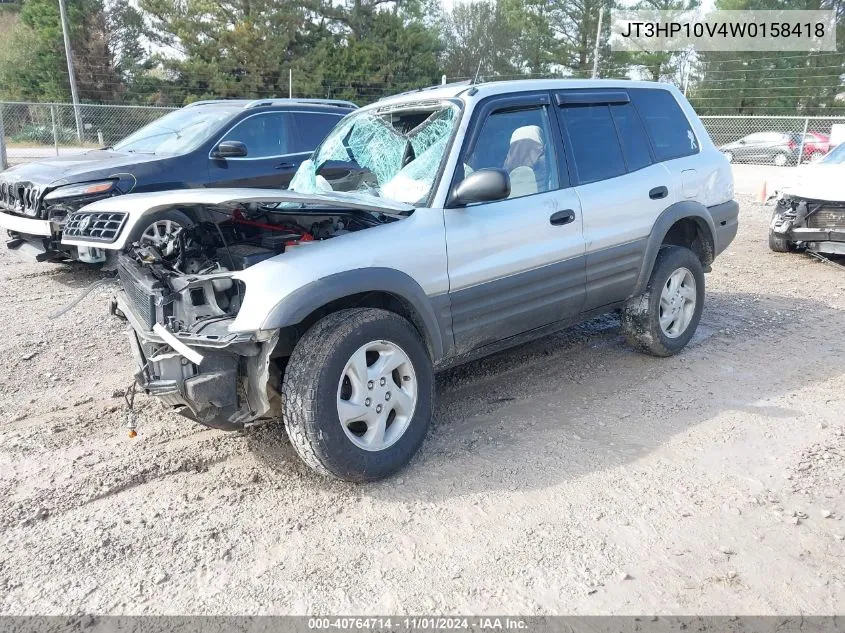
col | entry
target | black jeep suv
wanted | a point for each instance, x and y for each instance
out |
(223, 143)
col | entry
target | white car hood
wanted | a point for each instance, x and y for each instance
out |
(818, 182)
(140, 205)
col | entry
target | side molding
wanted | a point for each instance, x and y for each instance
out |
(305, 300)
(678, 211)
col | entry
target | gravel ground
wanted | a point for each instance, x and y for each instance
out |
(570, 475)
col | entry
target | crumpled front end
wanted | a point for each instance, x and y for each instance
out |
(185, 354)
(817, 225)
(183, 296)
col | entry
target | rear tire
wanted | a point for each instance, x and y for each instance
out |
(663, 319)
(781, 159)
(323, 378)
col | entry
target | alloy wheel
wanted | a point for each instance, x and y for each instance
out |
(677, 303)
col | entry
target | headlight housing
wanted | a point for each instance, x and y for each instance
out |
(85, 189)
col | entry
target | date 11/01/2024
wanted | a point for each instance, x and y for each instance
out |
(724, 29)
(420, 623)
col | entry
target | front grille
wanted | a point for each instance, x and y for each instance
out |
(141, 290)
(20, 197)
(827, 218)
(98, 227)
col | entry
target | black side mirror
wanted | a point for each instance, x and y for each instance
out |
(229, 149)
(484, 185)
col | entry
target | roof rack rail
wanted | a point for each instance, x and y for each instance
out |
(209, 101)
(254, 103)
(465, 82)
(335, 102)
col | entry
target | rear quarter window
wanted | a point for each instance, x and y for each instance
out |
(666, 124)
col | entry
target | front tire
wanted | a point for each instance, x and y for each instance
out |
(160, 230)
(777, 243)
(663, 319)
(781, 159)
(358, 393)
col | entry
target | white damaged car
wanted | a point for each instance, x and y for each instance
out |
(427, 229)
(810, 211)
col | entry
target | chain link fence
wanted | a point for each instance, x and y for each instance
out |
(39, 130)
(775, 140)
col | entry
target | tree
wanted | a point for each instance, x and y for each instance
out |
(33, 65)
(478, 37)
(785, 83)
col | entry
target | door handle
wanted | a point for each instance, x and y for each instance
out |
(562, 217)
(284, 166)
(658, 192)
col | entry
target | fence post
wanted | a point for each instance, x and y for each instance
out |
(55, 128)
(803, 136)
(3, 162)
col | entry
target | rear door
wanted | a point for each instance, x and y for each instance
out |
(621, 186)
(272, 153)
(514, 264)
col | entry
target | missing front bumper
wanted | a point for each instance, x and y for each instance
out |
(816, 225)
(231, 386)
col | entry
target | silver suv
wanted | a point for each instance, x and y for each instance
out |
(427, 229)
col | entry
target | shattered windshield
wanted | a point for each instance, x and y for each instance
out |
(393, 154)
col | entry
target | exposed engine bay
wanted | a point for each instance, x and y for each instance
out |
(815, 225)
(190, 263)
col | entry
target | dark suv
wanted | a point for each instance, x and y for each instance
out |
(228, 143)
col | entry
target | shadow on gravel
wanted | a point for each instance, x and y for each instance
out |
(582, 400)
(76, 275)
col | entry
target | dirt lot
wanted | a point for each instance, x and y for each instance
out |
(570, 475)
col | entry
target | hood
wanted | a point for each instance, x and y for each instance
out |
(143, 203)
(142, 206)
(817, 182)
(73, 168)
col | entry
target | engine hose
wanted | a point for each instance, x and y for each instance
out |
(97, 284)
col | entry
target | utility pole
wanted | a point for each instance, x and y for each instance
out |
(290, 83)
(71, 76)
(596, 49)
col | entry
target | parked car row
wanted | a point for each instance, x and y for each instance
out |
(778, 148)
(224, 143)
(424, 230)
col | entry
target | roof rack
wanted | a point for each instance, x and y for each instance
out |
(255, 103)
(335, 102)
(453, 84)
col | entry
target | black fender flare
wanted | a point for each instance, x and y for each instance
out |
(296, 306)
(677, 211)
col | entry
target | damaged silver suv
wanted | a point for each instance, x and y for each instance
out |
(427, 229)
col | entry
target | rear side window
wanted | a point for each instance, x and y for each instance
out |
(666, 124)
(309, 129)
(631, 134)
(595, 144)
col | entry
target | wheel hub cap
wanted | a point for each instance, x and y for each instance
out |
(677, 303)
(377, 395)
